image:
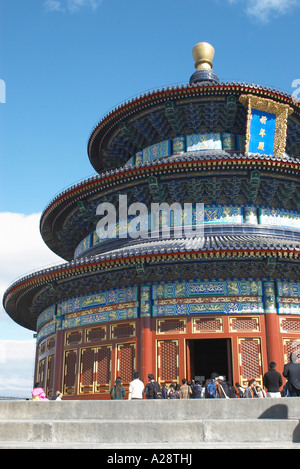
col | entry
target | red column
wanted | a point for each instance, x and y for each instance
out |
(188, 376)
(59, 360)
(148, 355)
(274, 345)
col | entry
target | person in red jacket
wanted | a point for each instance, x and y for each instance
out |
(38, 393)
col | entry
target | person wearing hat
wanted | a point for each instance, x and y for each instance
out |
(223, 388)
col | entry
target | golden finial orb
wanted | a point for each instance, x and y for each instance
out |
(203, 54)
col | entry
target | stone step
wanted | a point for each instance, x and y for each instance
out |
(193, 409)
(204, 423)
(184, 432)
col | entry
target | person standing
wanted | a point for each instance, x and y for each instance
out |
(164, 391)
(260, 392)
(173, 392)
(197, 390)
(38, 393)
(210, 386)
(185, 391)
(240, 390)
(57, 396)
(272, 381)
(152, 389)
(250, 391)
(118, 390)
(291, 372)
(136, 387)
(222, 387)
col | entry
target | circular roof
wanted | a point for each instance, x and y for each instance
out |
(153, 261)
(178, 111)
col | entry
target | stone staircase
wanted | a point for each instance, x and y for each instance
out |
(188, 424)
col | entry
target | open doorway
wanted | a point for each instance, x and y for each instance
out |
(210, 355)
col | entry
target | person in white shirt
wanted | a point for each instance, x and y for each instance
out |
(136, 387)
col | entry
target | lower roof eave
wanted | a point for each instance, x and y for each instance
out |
(24, 290)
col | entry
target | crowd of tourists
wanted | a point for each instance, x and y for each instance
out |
(216, 387)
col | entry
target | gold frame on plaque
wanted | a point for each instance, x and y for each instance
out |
(282, 111)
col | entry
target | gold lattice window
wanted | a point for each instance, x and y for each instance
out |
(244, 324)
(168, 360)
(87, 360)
(103, 369)
(73, 337)
(207, 324)
(290, 325)
(41, 371)
(126, 359)
(95, 369)
(171, 326)
(95, 334)
(122, 331)
(70, 368)
(42, 348)
(290, 346)
(250, 359)
(50, 344)
(49, 388)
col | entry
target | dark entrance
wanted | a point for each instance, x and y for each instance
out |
(210, 355)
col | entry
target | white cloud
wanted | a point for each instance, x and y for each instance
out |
(22, 251)
(53, 5)
(265, 10)
(16, 367)
(70, 5)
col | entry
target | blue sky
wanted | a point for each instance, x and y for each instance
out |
(66, 63)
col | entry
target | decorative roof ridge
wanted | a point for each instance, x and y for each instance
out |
(168, 247)
(201, 86)
(199, 155)
(193, 86)
(203, 155)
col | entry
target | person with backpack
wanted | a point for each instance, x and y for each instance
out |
(231, 390)
(223, 389)
(211, 387)
(152, 389)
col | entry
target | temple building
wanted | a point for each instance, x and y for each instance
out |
(218, 291)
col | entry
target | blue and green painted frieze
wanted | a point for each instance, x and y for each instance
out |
(219, 296)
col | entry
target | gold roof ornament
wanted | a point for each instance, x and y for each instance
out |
(203, 54)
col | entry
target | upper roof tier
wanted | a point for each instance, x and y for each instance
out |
(204, 105)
